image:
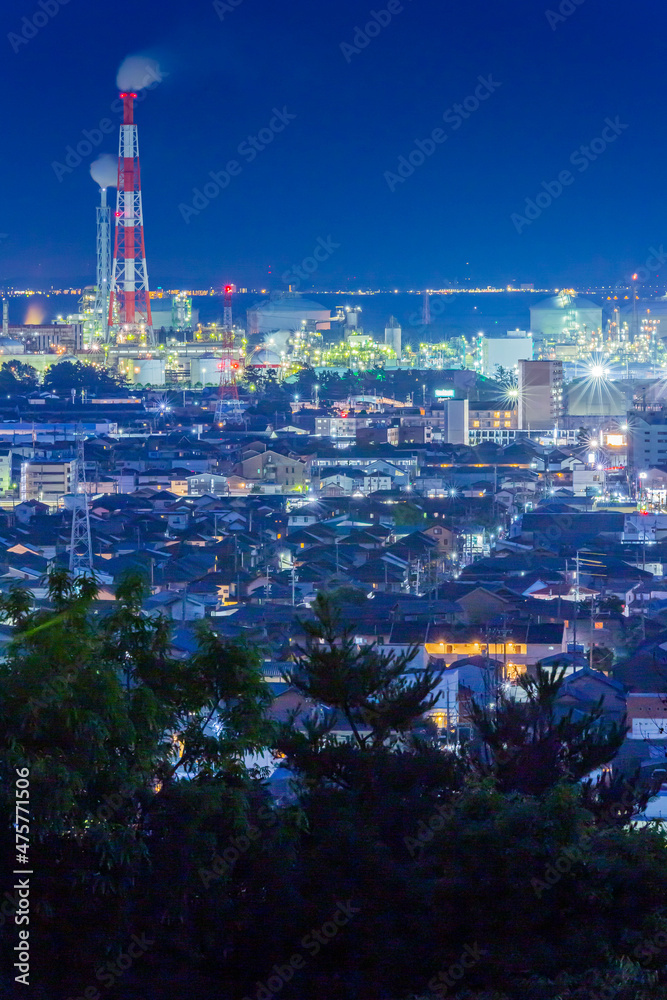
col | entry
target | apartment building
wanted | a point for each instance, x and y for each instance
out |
(46, 481)
(271, 467)
(540, 394)
(340, 428)
(490, 422)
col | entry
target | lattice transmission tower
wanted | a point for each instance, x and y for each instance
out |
(228, 393)
(81, 545)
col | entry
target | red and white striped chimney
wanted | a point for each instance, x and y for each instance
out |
(129, 307)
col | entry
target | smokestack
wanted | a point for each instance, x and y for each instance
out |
(128, 108)
(129, 304)
(104, 171)
(103, 278)
(5, 318)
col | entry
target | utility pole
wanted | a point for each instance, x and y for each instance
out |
(576, 602)
(643, 546)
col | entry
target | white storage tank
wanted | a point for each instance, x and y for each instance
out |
(563, 314)
(146, 371)
(287, 312)
(205, 371)
(392, 336)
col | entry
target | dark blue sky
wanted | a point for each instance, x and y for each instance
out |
(323, 176)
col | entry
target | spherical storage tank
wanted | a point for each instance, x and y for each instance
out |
(147, 371)
(264, 358)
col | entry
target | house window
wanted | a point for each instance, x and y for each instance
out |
(450, 648)
(475, 423)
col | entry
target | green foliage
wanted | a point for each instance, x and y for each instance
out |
(529, 746)
(408, 515)
(17, 377)
(150, 814)
(68, 375)
(372, 690)
(603, 658)
(612, 603)
(116, 734)
(506, 377)
(348, 595)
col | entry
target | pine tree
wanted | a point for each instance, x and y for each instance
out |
(529, 744)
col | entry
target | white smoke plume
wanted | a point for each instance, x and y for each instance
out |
(104, 170)
(138, 72)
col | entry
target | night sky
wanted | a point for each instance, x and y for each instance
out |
(326, 177)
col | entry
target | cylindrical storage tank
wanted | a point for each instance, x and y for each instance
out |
(562, 313)
(205, 371)
(392, 337)
(147, 371)
(287, 312)
(9, 346)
